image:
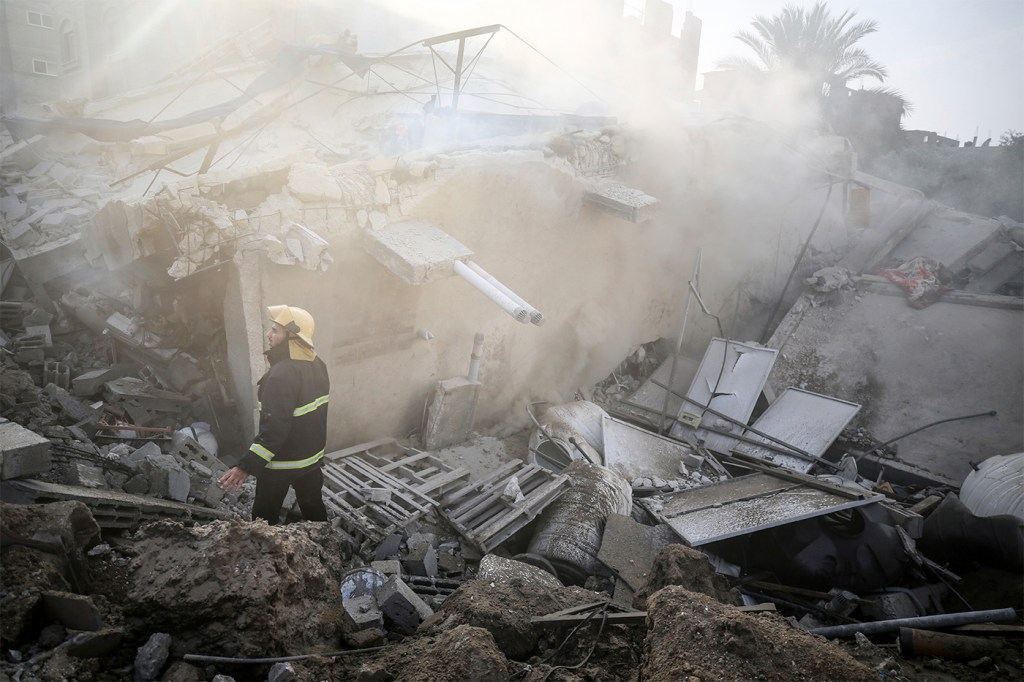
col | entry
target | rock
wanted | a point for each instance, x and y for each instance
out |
(281, 672)
(151, 657)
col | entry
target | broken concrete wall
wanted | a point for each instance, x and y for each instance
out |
(911, 367)
(603, 284)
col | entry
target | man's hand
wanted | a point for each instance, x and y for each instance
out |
(233, 479)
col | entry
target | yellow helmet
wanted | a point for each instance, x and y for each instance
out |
(296, 321)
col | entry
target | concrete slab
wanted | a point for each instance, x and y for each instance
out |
(628, 203)
(633, 452)
(630, 547)
(744, 505)
(416, 250)
(451, 413)
(73, 611)
(949, 236)
(22, 452)
(910, 367)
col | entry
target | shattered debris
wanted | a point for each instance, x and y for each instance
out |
(696, 511)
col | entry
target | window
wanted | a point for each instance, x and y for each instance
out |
(43, 67)
(68, 44)
(40, 19)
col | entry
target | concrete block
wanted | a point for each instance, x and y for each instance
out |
(402, 608)
(630, 547)
(451, 413)
(73, 611)
(422, 556)
(90, 383)
(388, 567)
(13, 208)
(362, 613)
(166, 478)
(42, 331)
(86, 475)
(415, 250)
(73, 408)
(389, 547)
(311, 182)
(22, 452)
(22, 234)
(139, 456)
(450, 563)
(137, 484)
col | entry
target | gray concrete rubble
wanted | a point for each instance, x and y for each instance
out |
(22, 452)
(705, 443)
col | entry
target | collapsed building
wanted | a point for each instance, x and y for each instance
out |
(723, 444)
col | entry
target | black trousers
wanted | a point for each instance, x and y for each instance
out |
(272, 487)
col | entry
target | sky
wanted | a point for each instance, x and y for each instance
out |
(960, 63)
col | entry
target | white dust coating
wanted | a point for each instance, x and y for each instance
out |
(569, 530)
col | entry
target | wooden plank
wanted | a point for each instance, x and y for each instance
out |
(480, 485)
(624, 618)
(356, 449)
(880, 285)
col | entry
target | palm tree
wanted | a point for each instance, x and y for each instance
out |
(812, 42)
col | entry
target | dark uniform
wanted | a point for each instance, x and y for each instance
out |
(289, 448)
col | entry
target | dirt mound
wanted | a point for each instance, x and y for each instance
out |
(237, 588)
(691, 635)
(463, 653)
(504, 610)
(42, 550)
(686, 567)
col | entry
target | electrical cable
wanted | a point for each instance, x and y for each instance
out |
(200, 658)
(990, 413)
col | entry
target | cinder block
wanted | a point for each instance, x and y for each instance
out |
(388, 567)
(451, 413)
(166, 478)
(362, 613)
(22, 452)
(422, 556)
(86, 475)
(402, 608)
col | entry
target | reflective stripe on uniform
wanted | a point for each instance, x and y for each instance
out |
(261, 451)
(309, 407)
(299, 464)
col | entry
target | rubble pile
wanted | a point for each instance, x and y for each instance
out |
(699, 518)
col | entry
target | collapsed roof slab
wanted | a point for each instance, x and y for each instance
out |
(910, 367)
(416, 251)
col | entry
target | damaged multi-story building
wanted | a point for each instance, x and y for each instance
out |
(712, 309)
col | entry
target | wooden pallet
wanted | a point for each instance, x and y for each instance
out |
(483, 517)
(348, 486)
(422, 471)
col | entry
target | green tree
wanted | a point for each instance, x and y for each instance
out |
(816, 44)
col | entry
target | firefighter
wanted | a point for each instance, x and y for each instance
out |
(289, 448)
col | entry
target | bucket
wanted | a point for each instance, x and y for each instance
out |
(360, 582)
(569, 530)
(996, 487)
